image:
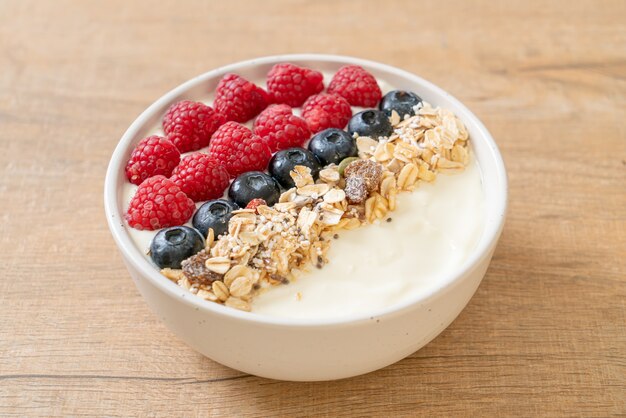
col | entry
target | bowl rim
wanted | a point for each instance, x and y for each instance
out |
(132, 254)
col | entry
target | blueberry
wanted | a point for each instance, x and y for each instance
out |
(214, 214)
(330, 146)
(284, 161)
(254, 185)
(401, 101)
(371, 122)
(170, 246)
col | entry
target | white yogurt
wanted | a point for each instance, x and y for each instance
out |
(433, 230)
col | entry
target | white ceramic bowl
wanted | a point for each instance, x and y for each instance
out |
(295, 349)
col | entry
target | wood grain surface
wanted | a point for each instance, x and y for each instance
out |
(545, 335)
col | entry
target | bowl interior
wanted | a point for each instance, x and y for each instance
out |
(489, 159)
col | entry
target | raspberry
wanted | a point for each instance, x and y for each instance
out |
(326, 111)
(189, 125)
(356, 85)
(152, 156)
(201, 177)
(255, 203)
(158, 203)
(239, 99)
(239, 150)
(280, 129)
(290, 84)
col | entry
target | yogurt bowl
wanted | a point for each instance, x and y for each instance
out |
(309, 349)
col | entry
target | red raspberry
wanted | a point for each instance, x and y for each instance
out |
(326, 111)
(238, 149)
(356, 85)
(159, 203)
(290, 84)
(255, 203)
(152, 156)
(239, 99)
(280, 129)
(189, 125)
(201, 177)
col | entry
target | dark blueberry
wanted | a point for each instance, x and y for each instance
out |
(170, 246)
(284, 161)
(254, 185)
(401, 101)
(332, 145)
(214, 214)
(371, 122)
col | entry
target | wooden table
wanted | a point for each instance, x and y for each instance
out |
(544, 335)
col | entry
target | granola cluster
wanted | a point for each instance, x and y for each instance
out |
(268, 246)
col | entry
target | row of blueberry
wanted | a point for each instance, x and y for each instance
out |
(171, 246)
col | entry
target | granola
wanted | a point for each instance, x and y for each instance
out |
(269, 246)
